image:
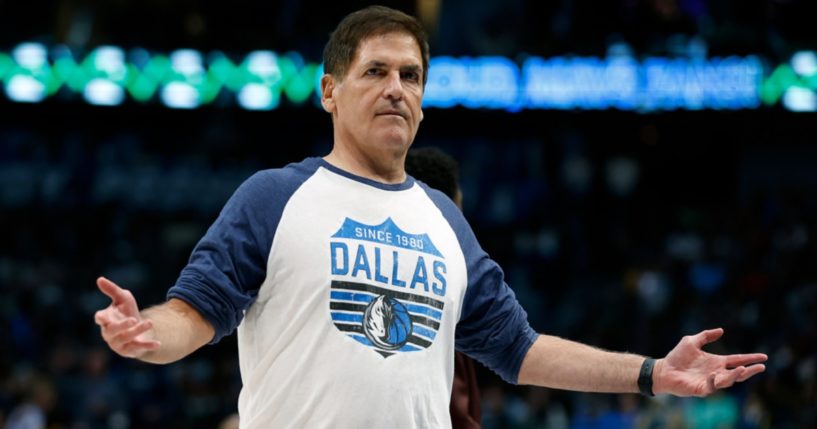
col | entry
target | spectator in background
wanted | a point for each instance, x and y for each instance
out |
(40, 396)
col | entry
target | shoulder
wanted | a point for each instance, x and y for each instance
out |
(294, 173)
(449, 210)
(277, 182)
(440, 199)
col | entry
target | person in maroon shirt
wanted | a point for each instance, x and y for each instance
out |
(440, 171)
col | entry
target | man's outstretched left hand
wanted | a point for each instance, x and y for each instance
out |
(689, 371)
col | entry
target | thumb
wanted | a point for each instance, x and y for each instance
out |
(705, 337)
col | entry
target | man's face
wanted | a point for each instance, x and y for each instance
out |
(376, 106)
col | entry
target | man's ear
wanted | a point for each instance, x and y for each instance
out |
(328, 86)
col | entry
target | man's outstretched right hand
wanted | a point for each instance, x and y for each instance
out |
(123, 328)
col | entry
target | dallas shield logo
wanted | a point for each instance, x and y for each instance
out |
(374, 297)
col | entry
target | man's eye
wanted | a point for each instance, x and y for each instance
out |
(373, 72)
(413, 76)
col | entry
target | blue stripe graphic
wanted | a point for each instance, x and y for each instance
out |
(346, 317)
(408, 348)
(351, 296)
(428, 333)
(361, 339)
(362, 297)
(358, 318)
(419, 309)
(365, 341)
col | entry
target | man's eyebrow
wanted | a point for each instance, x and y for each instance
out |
(410, 67)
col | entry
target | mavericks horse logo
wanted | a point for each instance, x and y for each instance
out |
(387, 323)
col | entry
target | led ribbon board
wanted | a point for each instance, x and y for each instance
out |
(261, 80)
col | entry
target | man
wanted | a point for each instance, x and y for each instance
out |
(350, 283)
(439, 171)
(436, 169)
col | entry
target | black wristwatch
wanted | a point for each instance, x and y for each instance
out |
(645, 377)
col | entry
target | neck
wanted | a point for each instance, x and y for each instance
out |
(383, 168)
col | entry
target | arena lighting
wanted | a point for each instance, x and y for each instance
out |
(30, 55)
(103, 92)
(188, 63)
(298, 78)
(110, 61)
(259, 95)
(584, 83)
(255, 96)
(804, 63)
(180, 95)
(793, 83)
(25, 89)
(486, 82)
(802, 98)
(262, 80)
(798, 99)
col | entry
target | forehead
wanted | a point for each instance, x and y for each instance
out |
(399, 48)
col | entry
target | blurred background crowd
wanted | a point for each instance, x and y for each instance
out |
(619, 229)
(457, 27)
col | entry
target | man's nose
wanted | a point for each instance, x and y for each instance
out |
(394, 86)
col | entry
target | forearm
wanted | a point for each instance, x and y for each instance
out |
(179, 328)
(563, 364)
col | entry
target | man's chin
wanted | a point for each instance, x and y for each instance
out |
(395, 139)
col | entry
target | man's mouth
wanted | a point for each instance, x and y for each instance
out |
(391, 113)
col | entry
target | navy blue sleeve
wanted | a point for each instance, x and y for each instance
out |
(229, 264)
(493, 327)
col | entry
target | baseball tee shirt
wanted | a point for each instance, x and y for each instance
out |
(349, 297)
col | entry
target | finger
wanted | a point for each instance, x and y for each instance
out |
(103, 317)
(752, 371)
(138, 348)
(108, 315)
(130, 334)
(121, 298)
(745, 359)
(109, 288)
(727, 378)
(112, 329)
(722, 381)
(705, 337)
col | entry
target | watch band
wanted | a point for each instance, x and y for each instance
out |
(645, 377)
